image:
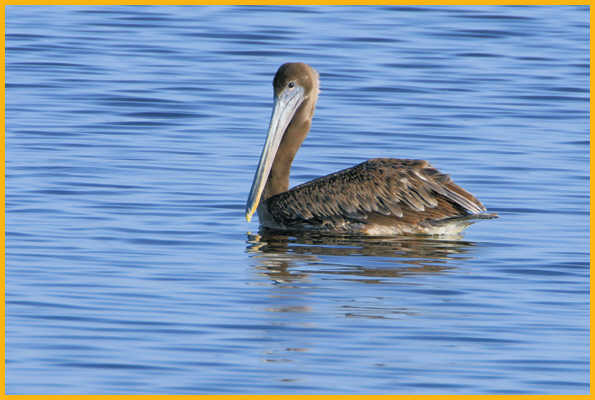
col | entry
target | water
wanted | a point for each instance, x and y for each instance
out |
(132, 135)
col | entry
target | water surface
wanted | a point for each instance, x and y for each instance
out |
(132, 135)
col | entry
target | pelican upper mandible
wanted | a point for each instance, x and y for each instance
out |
(382, 196)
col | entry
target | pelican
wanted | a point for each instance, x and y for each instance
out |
(381, 196)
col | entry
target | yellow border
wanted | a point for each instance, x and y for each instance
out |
(292, 2)
(294, 397)
(257, 2)
(591, 18)
(2, 202)
(591, 207)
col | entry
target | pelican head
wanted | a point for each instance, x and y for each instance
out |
(296, 88)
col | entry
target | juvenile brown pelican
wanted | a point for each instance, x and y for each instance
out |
(382, 196)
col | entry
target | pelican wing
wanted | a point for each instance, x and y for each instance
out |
(406, 190)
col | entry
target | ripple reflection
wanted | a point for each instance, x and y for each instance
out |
(288, 258)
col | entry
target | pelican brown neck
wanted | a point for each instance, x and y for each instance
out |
(296, 132)
(296, 92)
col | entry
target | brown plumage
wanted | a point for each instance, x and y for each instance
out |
(381, 196)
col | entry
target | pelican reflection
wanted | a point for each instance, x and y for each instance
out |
(288, 258)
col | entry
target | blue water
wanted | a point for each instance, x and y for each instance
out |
(132, 136)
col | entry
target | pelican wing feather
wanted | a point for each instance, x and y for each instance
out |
(410, 191)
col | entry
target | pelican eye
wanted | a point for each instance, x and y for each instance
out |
(291, 85)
